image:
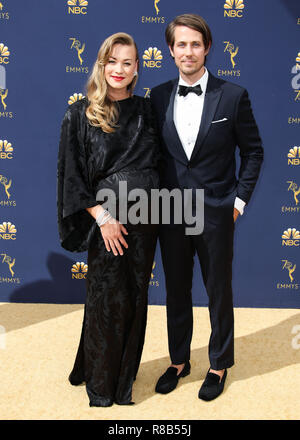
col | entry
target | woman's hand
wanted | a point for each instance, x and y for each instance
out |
(112, 232)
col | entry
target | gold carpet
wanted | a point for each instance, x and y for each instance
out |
(38, 343)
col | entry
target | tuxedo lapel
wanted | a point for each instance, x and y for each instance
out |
(169, 129)
(211, 101)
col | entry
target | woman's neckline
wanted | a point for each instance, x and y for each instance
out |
(122, 100)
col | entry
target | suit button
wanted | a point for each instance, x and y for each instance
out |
(188, 166)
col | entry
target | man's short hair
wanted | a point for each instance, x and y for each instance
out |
(193, 21)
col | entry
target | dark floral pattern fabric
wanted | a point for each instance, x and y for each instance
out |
(115, 313)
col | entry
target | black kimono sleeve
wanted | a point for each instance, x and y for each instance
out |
(75, 225)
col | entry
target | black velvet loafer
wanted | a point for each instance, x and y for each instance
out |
(212, 387)
(75, 380)
(169, 380)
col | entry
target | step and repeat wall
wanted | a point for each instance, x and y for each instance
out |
(47, 50)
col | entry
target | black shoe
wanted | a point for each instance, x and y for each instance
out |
(169, 380)
(212, 387)
(75, 380)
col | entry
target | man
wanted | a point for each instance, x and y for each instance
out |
(201, 120)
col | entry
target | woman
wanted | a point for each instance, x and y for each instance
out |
(106, 138)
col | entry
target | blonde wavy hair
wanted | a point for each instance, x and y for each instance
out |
(102, 112)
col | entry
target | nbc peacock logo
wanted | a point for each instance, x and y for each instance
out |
(6, 150)
(77, 7)
(234, 8)
(290, 237)
(7, 231)
(152, 58)
(4, 54)
(79, 270)
(75, 97)
(294, 156)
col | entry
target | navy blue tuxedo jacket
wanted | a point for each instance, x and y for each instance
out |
(212, 165)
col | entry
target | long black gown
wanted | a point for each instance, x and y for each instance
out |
(115, 311)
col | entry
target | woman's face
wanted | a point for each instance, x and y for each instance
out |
(121, 66)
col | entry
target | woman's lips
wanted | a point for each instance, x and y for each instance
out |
(118, 78)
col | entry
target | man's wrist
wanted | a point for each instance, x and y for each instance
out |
(239, 204)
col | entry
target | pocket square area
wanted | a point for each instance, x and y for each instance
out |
(219, 120)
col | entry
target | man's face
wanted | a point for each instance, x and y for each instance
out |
(189, 53)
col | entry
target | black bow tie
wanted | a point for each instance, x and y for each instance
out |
(184, 90)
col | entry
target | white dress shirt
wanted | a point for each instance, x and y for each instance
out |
(187, 118)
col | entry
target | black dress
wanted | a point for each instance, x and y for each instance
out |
(115, 311)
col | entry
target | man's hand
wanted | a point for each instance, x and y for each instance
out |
(236, 213)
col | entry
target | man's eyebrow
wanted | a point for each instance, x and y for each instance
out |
(182, 41)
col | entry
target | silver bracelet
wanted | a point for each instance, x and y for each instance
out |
(105, 219)
(100, 217)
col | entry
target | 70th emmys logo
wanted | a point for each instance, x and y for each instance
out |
(79, 48)
(233, 8)
(295, 190)
(290, 269)
(7, 184)
(3, 15)
(295, 82)
(232, 52)
(152, 58)
(153, 282)
(3, 96)
(147, 92)
(3, 89)
(229, 47)
(77, 7)
(10, 261)
(156, 18)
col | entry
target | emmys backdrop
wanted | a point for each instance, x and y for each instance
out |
(47, 50)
